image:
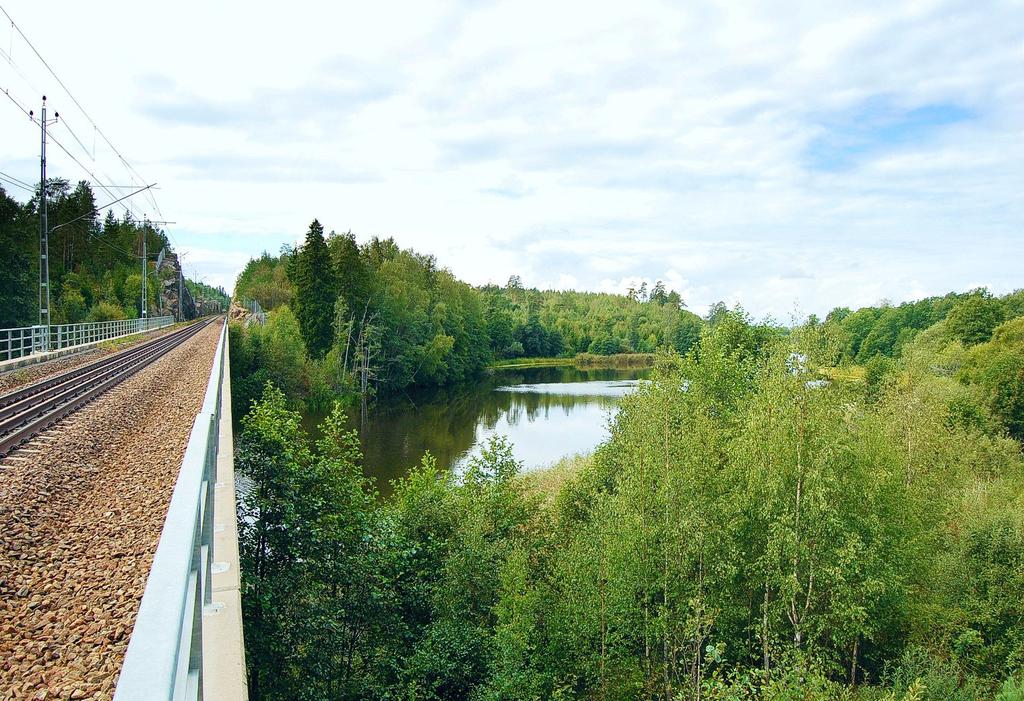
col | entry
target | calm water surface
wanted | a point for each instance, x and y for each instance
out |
(547, 413)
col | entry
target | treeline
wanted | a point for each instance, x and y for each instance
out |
(748, 532)
(373, 317)
(347, 319)
(882, 331)
(95, 265)
(523, 322)
(200, 290)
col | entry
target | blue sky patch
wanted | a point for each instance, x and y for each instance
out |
(877, 126)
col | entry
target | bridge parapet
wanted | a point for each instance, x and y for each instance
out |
(187, 639)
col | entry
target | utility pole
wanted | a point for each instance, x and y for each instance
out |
(145, 266)
(44, 243)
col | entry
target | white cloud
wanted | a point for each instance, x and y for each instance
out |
(575, 144)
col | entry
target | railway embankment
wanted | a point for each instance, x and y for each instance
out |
(82, 505)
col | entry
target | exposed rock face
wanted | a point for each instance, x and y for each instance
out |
(237, 312)
(246, 316)
(173, 286)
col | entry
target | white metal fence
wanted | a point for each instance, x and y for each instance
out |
(164, 660)
(256, 313)
(25, 340)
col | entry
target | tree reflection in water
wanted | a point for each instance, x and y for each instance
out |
(547, 413)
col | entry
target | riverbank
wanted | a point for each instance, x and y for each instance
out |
(515, 363)
(548, 482)
(581, 360)
(619, 360)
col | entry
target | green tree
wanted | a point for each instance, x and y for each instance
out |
(997, 369)
(17, 291)
(314, 592)
(265, 279)
(315, 292)
(105, 311)
(351, 271)
(974, 318)
(72, 304)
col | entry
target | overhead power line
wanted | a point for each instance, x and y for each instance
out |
(17, 183)
(17, 102)
(111, 246)
(132, 172)
(91, 155)
(99, 182)
(96, 210)
(14, 66)
(6, 181)
(92, 175)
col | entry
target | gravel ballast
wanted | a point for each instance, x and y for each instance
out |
(81, 510)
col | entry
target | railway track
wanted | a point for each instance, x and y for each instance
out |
(31, 409)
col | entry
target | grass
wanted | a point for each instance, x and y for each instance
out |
(529, 363)
(849, 373)
(619, 360)
(547, 482)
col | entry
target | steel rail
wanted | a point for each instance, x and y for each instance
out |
(58, 392)
(30, 410)
(80, 373)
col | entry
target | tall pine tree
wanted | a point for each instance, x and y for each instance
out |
(315, 291)
(17, 283)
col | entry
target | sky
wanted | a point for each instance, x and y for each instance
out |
(790, 157)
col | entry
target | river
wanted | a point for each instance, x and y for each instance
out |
(547, 413)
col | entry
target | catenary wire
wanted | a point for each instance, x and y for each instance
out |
(60, 82)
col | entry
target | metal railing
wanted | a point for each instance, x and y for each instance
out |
(25, 340)
(164, 659)
(257, 315)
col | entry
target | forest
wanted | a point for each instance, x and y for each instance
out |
(831, 510)
(374, 319)
(95, 265)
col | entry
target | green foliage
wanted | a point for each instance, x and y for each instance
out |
(131, 293)
(273, 352)
(310, 564)
(313, 276)
(931, 677)
(744, 534)
(94, 266)
(355, 283)
(535, 323)
(973, 318)
(17, 288)
(997, 369)
(105, 311)
(265, 279)
(378, 319)
(345, 598)
(1012, 690)
(885, 330)
(72, 302)
(201, 291)
(875, 372)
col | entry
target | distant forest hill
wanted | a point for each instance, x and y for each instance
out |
(373, 317)
(95, 265)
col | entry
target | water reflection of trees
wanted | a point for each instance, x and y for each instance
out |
(396, 434)
(516, 406)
